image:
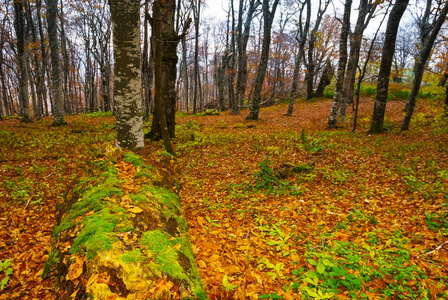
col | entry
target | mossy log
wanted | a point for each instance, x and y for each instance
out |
(120, 236)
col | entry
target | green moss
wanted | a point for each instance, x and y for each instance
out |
(172, 201)
(133, 158)
(143, 173)
(139, 198)
(132, 256)
(53, 258)
(162, 247)
(96, 235)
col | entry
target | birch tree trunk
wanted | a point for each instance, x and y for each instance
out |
(385, 66)
(127, 82)
(332, 120)
(52, 9)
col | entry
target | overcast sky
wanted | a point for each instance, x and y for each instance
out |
(216, 9)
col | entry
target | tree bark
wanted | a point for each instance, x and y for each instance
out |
(311, 65)
(127, 82)
(377, 124)
(19, 22)
(243, 38)
(115, 242)
(332, 120)
(419, 68)
(52, 8)
(366, 10)
(41, 89)
(170, 40)
(268, 18)
(327, 75)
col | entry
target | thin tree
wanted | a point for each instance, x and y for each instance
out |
(428, 35)
(332, 120)
(268, 19)
(365, 14)
(377, 124)
(301, 39)
(19, 22)
(311, 63)
(157, 34)
(242, 40)
(362, 71)
(52, 10)
(125, 16)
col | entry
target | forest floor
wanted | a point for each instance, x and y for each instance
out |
(278, 208)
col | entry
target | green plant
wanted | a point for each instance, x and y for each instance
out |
(312, 146)
(265, 178)
(5, 268)
(270, 296)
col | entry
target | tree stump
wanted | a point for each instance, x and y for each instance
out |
(120, 236)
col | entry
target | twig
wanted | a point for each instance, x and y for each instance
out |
(28, 202)
(437, 249)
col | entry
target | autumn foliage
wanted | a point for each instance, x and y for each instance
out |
(277, 209)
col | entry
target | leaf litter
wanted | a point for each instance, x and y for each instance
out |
(271, 215)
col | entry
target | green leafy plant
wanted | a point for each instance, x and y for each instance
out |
(5, 268)
(312, 146)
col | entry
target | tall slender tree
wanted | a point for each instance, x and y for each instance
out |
(313, 34)
(301, 39)
(242, 40)
(52, 10)
(127, 81)
(365, 14)
(268, 19)
(19, 22)
(428, 35)
(332, 120)
(377, 124)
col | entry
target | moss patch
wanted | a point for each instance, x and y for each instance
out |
(141, 236)
(133, 158)
(132, 256)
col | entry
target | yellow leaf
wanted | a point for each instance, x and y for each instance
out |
(92, 279)
(177, 246)
(75, 269)
(134, 209)
(372, 254)
(202, 264)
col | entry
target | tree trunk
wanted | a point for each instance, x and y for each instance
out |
(311, 65)
(52, 8)
(157, 34)
(170, 40)
(327, 75)
(419, 68)
(116, 242)
(332, 120)
(366, 10)
(41, 89)
(268, 18)
(38, 84)
(243, 38)
(234, 104)
(385, 66)
(19, 22)
(186, 85)
(127, 82)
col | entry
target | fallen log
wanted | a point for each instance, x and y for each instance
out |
(119, 236)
